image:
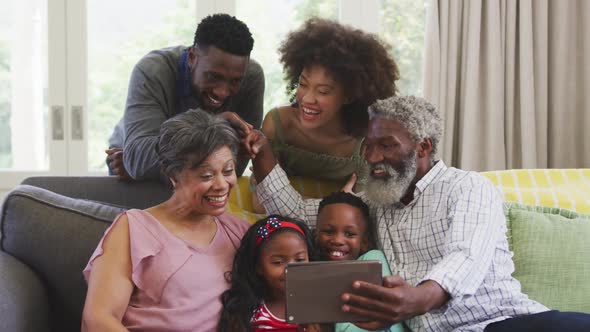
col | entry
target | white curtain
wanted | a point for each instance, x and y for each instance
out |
(511, 79)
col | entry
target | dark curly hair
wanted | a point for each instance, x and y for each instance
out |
(356, 59)
(225, 32)
(357, 202)
(247, 288)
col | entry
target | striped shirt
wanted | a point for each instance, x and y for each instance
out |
(264, 320)
(453, 232)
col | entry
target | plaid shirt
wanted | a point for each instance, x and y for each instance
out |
(453, 232)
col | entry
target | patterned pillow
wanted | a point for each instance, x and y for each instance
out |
(563, 188)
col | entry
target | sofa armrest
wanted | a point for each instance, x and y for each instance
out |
(23, 298)
(55, 236)
(105, 189)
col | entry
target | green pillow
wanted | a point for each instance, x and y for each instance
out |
(551, 255)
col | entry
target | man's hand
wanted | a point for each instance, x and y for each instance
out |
(394, 301)
(242, 127)
(115, 161)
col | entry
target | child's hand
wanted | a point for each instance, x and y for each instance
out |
(350, 184)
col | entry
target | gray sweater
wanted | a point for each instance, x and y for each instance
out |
(154, 96)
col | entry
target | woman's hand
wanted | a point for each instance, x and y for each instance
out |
(254, 142)
(350, 184)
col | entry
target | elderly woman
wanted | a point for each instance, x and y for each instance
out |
(162, 269)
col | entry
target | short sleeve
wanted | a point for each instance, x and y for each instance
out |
(153, 261)
(377, 255)
(98, 251)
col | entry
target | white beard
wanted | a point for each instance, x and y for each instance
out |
(391, 190)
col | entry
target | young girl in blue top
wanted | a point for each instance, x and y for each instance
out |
(256, 299)
(344, 232)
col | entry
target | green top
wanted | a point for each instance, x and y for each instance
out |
(372, 255)
(300, 162)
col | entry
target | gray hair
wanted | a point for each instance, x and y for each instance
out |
(416, 114)
(187, 139)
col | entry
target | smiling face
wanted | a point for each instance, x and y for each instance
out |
(206, 189)
(391, 154)
(320, 98)
(341, 232)
(276, 252)
(216, 75)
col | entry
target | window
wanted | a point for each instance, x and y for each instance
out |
(270, 21)
(23, 86)
(113, 50)
(402, 25)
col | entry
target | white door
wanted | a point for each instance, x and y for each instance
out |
(33, 135)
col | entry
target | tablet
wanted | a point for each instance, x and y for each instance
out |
(314, 289)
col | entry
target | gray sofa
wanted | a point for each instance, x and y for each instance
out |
(46, 240)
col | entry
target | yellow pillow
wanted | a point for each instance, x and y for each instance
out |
(562, 188)
(240, 200)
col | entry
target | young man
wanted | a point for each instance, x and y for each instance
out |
(442, 229)
(215, 74)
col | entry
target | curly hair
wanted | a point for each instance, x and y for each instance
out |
(225, 32)
(416, 114)
(247, 288)
(356, 59)
(354, 201)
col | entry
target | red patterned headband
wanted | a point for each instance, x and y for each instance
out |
(271, 225)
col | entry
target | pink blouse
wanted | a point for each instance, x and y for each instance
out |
(177, 286)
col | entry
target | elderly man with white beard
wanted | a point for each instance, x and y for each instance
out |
(442, 229)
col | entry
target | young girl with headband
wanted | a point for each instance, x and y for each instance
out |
(256, 298)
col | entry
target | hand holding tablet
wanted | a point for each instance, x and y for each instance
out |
(314, 289)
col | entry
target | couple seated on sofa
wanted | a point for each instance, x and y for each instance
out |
(442, 231)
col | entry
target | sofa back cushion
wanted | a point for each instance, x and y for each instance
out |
(55, 235)
(562, 188)
(106, 189)
(551, 255)
(240, 200)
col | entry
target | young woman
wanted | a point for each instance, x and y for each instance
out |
(334, 72)
(147, 272)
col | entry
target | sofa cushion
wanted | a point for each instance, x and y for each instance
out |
(551, 247)
(240, 200)
(54, 235)
(23, 298)
(562, 188)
